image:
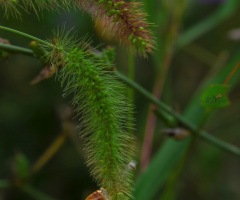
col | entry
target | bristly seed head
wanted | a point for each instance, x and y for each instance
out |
(126, 20)
(108, 147)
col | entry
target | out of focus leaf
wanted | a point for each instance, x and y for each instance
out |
(3, 54)
(21, 166)
(224, 12)
(159, 169)
(215, 96)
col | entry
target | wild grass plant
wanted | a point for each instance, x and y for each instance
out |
(118, 156)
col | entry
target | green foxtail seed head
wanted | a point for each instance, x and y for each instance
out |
(104, 119)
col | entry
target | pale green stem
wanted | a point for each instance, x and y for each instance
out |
(16, 49)
(203, 134)
(26, 35)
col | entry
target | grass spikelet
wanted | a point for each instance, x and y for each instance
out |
(126, 20)
(104, 116)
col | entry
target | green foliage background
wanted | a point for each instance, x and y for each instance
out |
(30, 119)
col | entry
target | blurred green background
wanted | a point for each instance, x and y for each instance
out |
(207, 40)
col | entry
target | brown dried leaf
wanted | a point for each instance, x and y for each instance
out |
(46, 72)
